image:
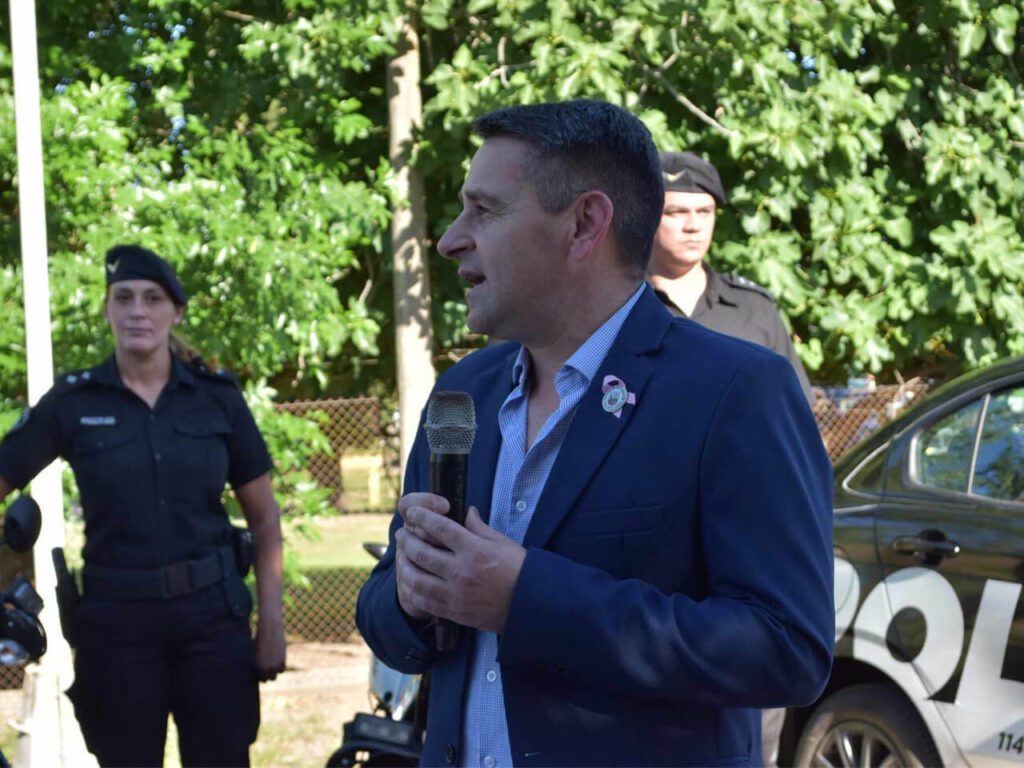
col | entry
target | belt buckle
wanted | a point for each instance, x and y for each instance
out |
(178, 579)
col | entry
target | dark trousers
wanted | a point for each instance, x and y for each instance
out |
(190, 656)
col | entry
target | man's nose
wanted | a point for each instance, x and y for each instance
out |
(455, 240)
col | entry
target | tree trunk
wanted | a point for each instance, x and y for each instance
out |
(413, 335)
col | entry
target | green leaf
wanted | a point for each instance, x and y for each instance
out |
(1003, 28)
(970, 38)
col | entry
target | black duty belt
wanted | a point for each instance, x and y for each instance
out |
(158, 583)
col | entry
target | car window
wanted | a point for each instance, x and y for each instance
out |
(867, 477)
(945, 449)
(999, 469)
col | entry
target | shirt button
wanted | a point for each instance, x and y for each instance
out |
(156, 456)
(490, 762)
(491, 676)
(520, 506)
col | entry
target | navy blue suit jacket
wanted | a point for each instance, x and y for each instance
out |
(679, 562)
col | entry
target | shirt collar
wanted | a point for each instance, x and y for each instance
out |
(588, 357)
(106, 373)
(715, 292)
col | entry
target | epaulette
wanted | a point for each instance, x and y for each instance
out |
(67, 382)
(738, 281)
(218, 374)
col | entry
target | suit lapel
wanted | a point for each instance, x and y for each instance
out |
(488, 394)
(594, 431)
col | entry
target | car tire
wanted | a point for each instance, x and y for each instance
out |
(866, 725)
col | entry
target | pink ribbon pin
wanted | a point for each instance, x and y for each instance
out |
(616, 396)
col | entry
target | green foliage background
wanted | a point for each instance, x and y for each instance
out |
(873, 150)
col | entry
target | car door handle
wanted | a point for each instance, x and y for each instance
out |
(923, 545)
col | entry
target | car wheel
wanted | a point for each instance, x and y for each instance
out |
(870, 726)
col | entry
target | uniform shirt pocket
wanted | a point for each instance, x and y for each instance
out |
(203, 441)
(96, 439)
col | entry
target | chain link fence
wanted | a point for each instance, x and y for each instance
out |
(847, 415)
(362, 471)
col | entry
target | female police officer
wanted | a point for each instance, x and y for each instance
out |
(163, 622)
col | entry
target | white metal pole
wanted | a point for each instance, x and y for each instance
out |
(50, 735)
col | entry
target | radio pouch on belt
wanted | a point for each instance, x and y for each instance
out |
(67, 596)
(245, 549)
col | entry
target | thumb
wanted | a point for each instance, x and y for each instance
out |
(475, 523)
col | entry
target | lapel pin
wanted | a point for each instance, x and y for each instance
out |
(616, 396)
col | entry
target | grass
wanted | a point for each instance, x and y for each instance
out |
(341, 541)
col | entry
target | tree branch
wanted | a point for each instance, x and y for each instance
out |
(696, 111)
(238, 15)
(502, 72)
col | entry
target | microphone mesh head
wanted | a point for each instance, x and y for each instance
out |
(451, 422)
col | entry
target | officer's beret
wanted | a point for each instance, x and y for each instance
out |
(686, 172)
(132, 262)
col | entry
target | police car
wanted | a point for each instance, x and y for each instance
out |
(929, 562)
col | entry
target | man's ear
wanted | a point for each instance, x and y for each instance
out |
(592, 218)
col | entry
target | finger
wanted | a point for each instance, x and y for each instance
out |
(475, 523)
(443, 531)
(428, 557)
(421, 593)
(431, 501)
(407, 577)
(408, 534)
(420, 532)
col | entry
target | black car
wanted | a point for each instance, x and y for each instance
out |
(929, 545)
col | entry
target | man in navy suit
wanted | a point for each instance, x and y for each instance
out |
(648, 558)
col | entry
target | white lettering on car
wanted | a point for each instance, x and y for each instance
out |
(987, 715)
(982, 685)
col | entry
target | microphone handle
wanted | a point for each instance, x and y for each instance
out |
(449, 473)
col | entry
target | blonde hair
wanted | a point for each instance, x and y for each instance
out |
(187, 353)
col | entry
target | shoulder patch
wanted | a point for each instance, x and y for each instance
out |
(738, 281)
(22, 420)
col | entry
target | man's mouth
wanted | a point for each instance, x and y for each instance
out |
(473, 278)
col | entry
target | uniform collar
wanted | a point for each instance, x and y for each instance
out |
(717, 291)
(182, 373)
(106, 374)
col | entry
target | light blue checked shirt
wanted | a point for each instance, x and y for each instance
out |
(518, 481)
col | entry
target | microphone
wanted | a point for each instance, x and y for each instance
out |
(450, 428)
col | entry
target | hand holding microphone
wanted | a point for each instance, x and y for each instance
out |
(462, 575)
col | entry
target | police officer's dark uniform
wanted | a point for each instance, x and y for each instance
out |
(731, 304)
(163, 621)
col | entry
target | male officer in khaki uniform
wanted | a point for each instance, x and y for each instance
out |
(726, 303)
(688, 286)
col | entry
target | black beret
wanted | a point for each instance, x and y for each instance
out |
(132, 262)
(685, 172)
